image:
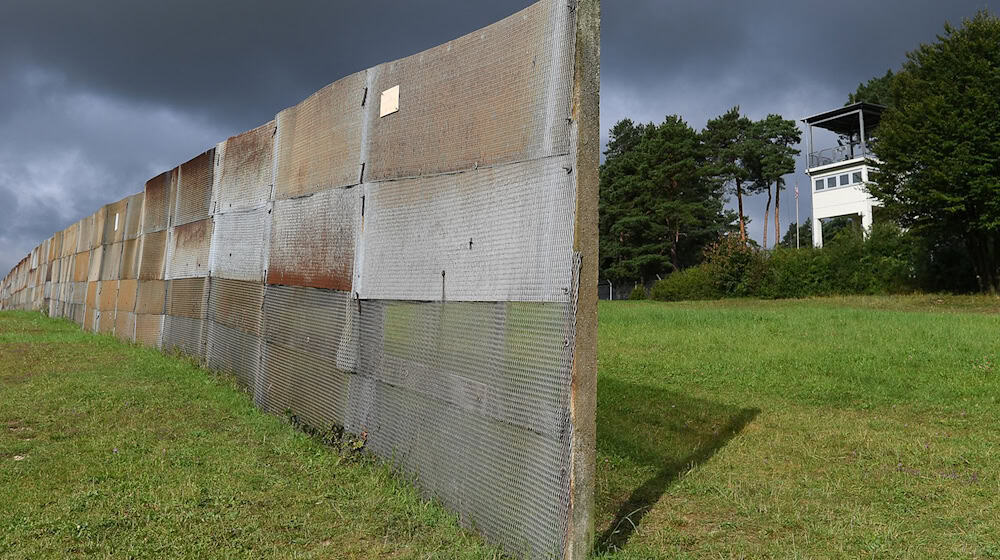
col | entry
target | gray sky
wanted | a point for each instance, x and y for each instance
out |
(96, 97)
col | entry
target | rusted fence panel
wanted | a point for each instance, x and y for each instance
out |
(246, 167)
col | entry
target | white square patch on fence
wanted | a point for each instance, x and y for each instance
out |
(389, 102)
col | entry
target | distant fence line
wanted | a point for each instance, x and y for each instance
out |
(409, 253)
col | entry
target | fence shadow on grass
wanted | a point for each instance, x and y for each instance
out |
(652, 427)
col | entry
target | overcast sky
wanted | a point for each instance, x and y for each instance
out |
(98, 96)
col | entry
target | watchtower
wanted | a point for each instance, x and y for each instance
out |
(838, 173)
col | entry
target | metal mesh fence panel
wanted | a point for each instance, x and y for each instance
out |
(96, 260)
(320, 139)
(245, 169)
(233, 328)
(111, 262)
(133, 216)
(114, 222)
(149, 329)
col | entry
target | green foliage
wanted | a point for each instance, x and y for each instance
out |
(805, 235)
(939, 144)
(877, 90)
(884, 263)
(638, 292)
(690, 284)
(729, 152)
(659, 205)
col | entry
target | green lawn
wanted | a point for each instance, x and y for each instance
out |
(837, 427)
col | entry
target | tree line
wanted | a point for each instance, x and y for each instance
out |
(664, 186)
(937, 153)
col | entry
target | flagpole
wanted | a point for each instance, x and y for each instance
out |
(797, 214)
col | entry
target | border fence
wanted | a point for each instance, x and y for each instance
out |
(409, 254)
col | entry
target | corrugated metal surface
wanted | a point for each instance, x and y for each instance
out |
(158, 196)
(131, 257)
(81, 267)
(320, 139)
(189, 249)
(111, 263)
(183, 326)
(498, 95)
(149, 330)
(96, 260)
(152, 297)
(125, 325)
(127, 292)
(114, 222)
(245, 170)
(313, 239)
(239, 244)
(70, 240)
(494, 234)
(194, 189)
(133, 216)
(154, 256)
(233, 351)
(236, 304)
(85, 235)
(107, 297)
(106, 322)
(310, 345)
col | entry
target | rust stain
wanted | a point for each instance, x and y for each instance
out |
(195, 187)
(186, 297)
(151, 297)
(127, 290)
(154, 247)
(157, 198)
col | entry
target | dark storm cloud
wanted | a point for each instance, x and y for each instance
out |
(95, 97)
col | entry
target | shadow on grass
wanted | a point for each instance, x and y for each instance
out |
(654, 428)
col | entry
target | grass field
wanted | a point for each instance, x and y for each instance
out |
(839, 427)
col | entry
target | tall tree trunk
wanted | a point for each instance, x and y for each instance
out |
(777, 212)
(739, 199)
(673, 249)
(767, 214)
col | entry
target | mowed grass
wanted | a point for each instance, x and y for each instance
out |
(109, 450)
(828, 428)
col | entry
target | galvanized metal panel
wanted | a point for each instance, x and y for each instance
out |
(114, 222)
(236, 304)
(128, 291)
(125, 325)
(71, 237)
(151, 298)
(107, 296)
(133, 216)
(184, 335)
(496, 377)
(85, 235)
(106, 322)
(310, 346)
(81, 267)
(154, 256)
(319, 140)
(149, 330)
(194, 189)
(233, 351)
(111, 262)
(96, 260)
(493, 234)
(239, 244)
(97, 229)
(498, 95)
(156, 202)
(187, 297)
(245, 170)
(131, 257)
(189, 249)
(313, 239)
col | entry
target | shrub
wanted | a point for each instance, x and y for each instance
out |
(638, 292)
(695, 283)
(738, 269)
